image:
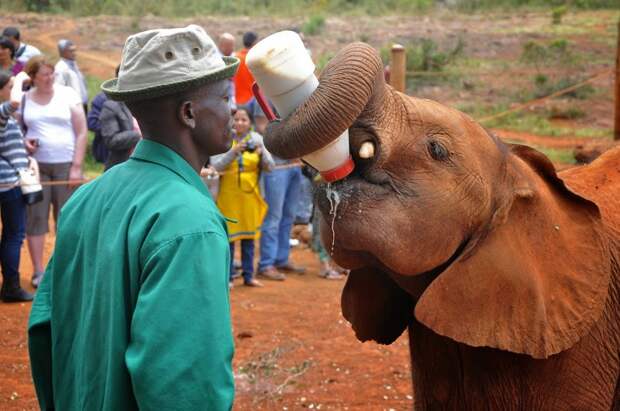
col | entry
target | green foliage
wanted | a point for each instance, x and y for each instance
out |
(91, 167)
(314, 25)
(323, 59)
(475, 5)
(568, 113)
(540, 123)
(543, 86)
(425, 55)
(181, 8)
(557, 52)
(558, 155)
(557, 13)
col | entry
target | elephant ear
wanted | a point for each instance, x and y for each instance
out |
(538, 281)
(377, 308)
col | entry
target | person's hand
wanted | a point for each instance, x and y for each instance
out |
(258, 150)
(75, 173)
(209, 172)
(240, 148)
(31, 145)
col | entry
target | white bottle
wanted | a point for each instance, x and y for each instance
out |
(284, 71)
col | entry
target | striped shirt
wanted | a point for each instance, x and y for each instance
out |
(12, 150)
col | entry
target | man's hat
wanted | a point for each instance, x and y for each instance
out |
(160, 62)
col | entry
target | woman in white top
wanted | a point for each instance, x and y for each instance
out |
(56, 135)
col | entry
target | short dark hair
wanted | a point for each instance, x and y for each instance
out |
(6, 43)
(11, 32)
(247, 111)
(249, 38)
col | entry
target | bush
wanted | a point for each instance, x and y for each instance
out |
(557, 13)
(541, 54)
(314, 25)
(425, 55)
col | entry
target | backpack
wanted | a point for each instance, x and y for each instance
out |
(99, 150)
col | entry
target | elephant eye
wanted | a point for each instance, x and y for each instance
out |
(437, 151)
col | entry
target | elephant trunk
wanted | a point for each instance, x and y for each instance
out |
(347, 85)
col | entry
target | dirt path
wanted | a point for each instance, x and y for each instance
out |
(294, 350)
(91, 62)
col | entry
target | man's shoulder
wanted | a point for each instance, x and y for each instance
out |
(153, 195)
(29, 48)
(61, 65)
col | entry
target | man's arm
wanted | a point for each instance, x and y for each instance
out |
(180, 351)
(40, 343)
(78, 120)
(61, 76)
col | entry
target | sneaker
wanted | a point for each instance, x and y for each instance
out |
(290, 268)
(270, 273)
(36, 279)
(331, 274)
(252, 282)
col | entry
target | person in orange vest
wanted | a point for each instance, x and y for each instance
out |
(243, 79)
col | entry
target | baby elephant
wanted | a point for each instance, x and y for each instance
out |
(505, 273)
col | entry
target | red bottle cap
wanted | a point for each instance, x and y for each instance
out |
(339, 172)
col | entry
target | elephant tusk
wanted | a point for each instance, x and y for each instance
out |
(367, 150)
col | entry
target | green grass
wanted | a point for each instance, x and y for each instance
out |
(537, 122)
(540, 124)
(91, 167)
(183, 8)
(558, 155)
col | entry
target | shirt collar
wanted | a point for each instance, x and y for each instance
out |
(70, 63)
(157, 153)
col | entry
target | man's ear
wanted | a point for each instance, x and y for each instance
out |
(186, 114)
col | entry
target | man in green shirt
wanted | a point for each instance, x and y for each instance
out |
(133, 311)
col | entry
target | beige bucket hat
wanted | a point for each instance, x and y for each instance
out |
(160, 62)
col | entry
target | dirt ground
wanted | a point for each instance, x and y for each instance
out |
(294, 350)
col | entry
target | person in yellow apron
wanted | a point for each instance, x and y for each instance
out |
(239, 198)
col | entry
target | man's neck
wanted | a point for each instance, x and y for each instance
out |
(189, 154)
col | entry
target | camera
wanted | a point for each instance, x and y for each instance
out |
(250, 146)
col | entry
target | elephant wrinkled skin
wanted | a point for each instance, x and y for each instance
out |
(505, 274)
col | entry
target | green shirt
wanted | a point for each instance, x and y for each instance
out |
(133, 311)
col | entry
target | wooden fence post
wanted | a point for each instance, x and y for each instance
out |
(617, 84)
(398, 68)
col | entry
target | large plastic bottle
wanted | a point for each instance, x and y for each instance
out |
(284, 72)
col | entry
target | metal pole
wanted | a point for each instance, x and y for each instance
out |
(617, 111)
(398, 68)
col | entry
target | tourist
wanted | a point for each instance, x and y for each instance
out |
(68, 73)
(239, 198)
(12, 206)
(56, 136)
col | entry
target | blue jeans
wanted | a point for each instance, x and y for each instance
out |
(13, 217)
(304, 204)
(247, 259)
(281, 194)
